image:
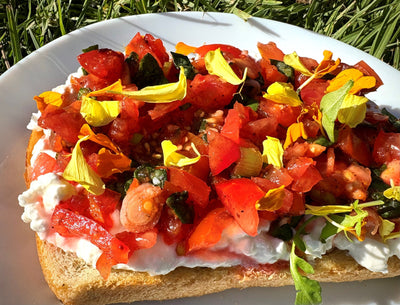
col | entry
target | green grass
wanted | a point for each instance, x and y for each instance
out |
(370, 25)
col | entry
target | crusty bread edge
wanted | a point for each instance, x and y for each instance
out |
(74, 282)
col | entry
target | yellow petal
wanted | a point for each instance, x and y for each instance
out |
(78, 170)
(111, 163)
(365, 82)
(272, 200)
(283, 93)
(99, 113)
(273, 152)
(386, 228)
(184, 49)
(117, 86)
(353, 109)
(342, 78)
(295, 131)
(166, 93)
(392, 192)
(172, 158)
(294, 61)
(217, 65)
(99, 138)
(48, 98)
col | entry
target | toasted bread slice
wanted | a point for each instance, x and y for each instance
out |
(74, 282)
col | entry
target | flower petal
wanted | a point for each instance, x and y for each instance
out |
(111, 163)
(273, 152)
(172, 158)
(217, 65)
(98, 113)
(283, 93)
(78, 170)
(353, 109)
(272, 200)
(295, 131)
(294, 61)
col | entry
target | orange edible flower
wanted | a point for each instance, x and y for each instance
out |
(48, 98)
(184, 49)
(111, 163)
(295, 131)
(360, 81)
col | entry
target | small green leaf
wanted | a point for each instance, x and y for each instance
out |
(308, 291)
(177, 202)
(181, 60)
(330, 106)
(149, 73)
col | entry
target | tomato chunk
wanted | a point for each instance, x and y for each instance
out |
(354, 147)
(208, 232)
(386, 147)
(103, 63)
(222, 152)
(304, 174)
(70, 224)
(239, 196)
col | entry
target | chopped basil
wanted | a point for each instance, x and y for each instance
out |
(82, 92)
(149, 73)
(91, 48)
(285, 69)
(181, 60)
(177, 202)
(132, 61)
(146, 173)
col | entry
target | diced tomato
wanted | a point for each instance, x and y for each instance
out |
(278, 176)
(246, 114)
(239, 196)
(103, 63)
(163, 109)
(284, 114)
(171, 228)
(136, 241)
(65, 123)
(270, 51)
(270, 73)
(304, 174)
(198, 190)
(101, 206)
(44, 164)
(392, 173)
(232, 125)
(70, 224)
(258, 130)
(200, 169)
(78, 203)
(314, 91)
(298, 207)
(208, 232)
(386, 147)
(143, 45)
(367, 70)
(304, 149)
(209, 92)
(223, 152)
(354, 147)
(230, 50)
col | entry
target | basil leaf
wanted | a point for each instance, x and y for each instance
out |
(330, 106)
(285, 69)
(181, 60)
(146, 173)
(149, 73)
(177, 202)
(91, 48)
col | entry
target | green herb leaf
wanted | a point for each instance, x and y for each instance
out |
(177, 202)
(146, 173)
(330, 106)
(308, 291)
(91, 48)
(181, 60)
(285, 69)
(149, 73)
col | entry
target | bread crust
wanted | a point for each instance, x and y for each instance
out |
(74, 282)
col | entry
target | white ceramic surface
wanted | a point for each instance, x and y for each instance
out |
(21, 280)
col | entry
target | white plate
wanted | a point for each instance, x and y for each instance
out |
(21, 278)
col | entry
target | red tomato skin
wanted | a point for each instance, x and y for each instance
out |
(136, 241)
(223, 152)
(230, 50)
(232, 125)
(367, 70)
(209, 92)
(143, 45)
(386, 147)
(44, 164)
(313, 92)
(239, 196)
(392, 173)
(304, 174)
(101, 206)
(209, 230)
(103, 63)
(258, 130)
(354, 147)
(198, 190)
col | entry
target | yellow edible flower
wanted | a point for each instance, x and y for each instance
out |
(386, 228)
(360, 81)
(78, 170)
(295, 131)
(353, 109)
(283, 93)
(326, 66)
(392, 192)
(217, 65)
(183, 48)
(48, 98)
(99, 113)
(272, 200)
(165, 93)
(273, 152)
(173, 158)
